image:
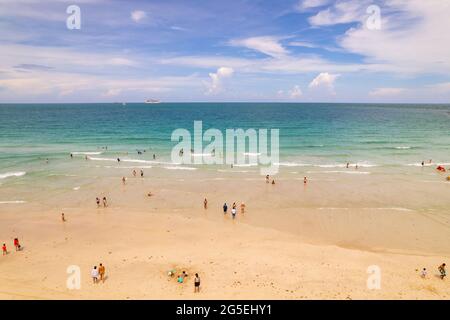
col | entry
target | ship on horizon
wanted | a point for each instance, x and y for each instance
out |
(152, 101)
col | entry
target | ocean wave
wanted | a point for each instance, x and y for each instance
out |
(291, 164)
(12, 202)
(246, 165)
(129, 167)
(180, 168)
(12, 174)
(86, 153)
(338, 171)
(252, 153)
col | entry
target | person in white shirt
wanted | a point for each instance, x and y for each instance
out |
(233, 212)
(94, 274)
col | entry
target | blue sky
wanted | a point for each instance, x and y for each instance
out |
(237, 50)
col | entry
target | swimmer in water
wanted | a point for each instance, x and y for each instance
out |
(118, 160)
(348, 164)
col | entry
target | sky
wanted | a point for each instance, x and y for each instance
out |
(393, 51)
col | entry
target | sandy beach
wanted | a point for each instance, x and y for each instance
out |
(278, 249)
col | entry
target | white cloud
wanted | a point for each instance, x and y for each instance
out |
(295, 92)
(138, 15)
(386, 92)
(324, 79)
(215, 86)
(307, 4)
(268, 45)
(413, 37)
(341, 12)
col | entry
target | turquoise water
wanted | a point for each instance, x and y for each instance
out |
(326, 135)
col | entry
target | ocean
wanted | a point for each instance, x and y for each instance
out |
(310, 134)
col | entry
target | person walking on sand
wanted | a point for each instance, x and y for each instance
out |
(305, 180)
(205, 203)
(124, 180)
(442, 271)
(94, 274)
(105, 203)
(225, 208)
(63, 218)
(4, 250)
(142, 173)
(348, 164)
(101, 272)
(16, 244)
(98, 202)
(242, 207)
(234, 205)
(197, 283)
(233, 212)
(134, 173)
(424, 272)
(267, 179)
(273, 182)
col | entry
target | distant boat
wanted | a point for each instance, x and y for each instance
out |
(152, 101)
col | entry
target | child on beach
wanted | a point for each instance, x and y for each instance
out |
(101, 271)
(442, 271)
(94, 275)
(205, 203)
(225, 208)
(197, 283)
(98, 202)
(4, 250)
(16, 244)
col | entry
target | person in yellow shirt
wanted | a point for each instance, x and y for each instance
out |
(101, 272)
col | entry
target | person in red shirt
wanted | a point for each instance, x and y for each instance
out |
(4, 249)
(16, 244)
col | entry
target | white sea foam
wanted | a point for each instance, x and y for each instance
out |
(291, 164)
(180, 168)
(86, 153)
(252, 153)
(129, 167)
(12, 202)
(403, 147)
(340, 171)
(76, 188)
(12, 174)
(246, 165)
